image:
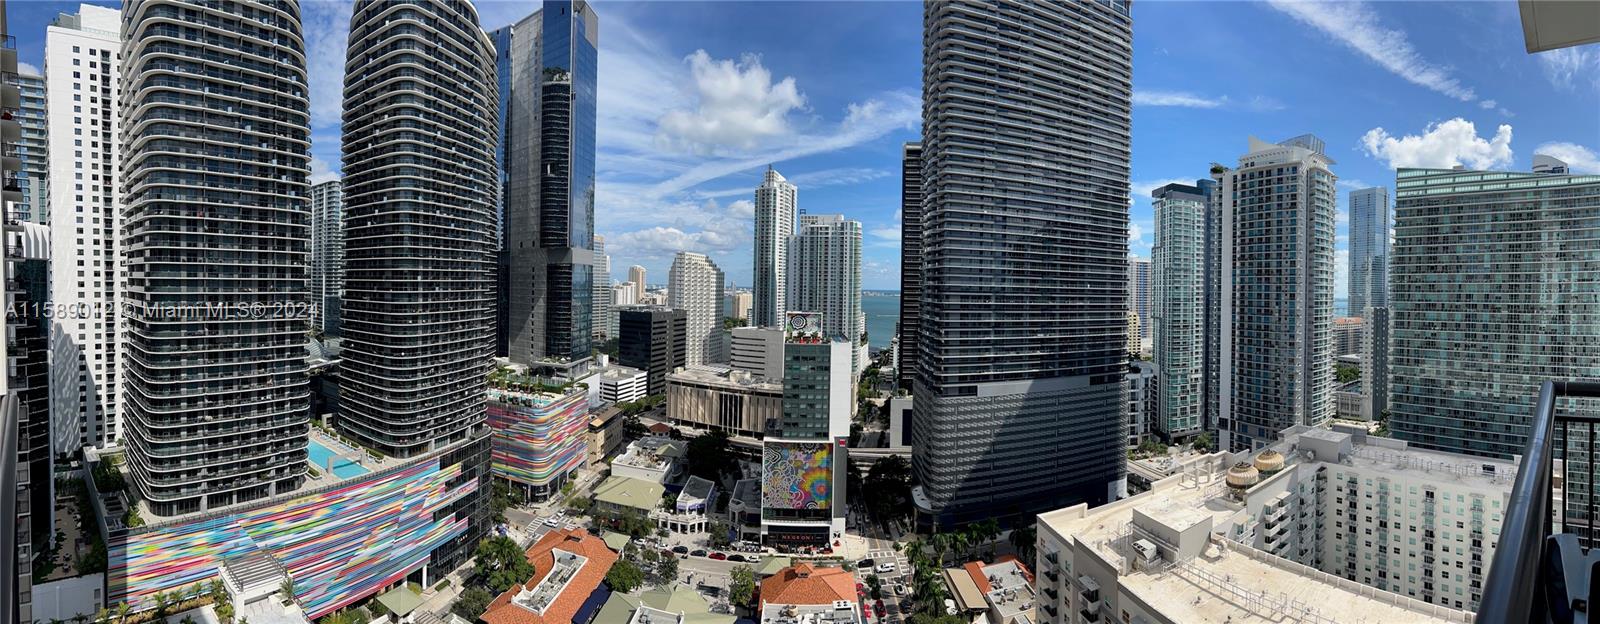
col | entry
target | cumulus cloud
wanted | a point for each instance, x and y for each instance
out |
(1357, 26)
(737, 106)
(1578, 158)
(743, 209)
(327, 29)
(27, 69)
(321, 172)
(1136, 234)
(1441, 145)
(887, 233)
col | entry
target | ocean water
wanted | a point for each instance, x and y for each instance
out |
(883, 311)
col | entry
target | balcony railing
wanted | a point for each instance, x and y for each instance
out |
(1529, 577)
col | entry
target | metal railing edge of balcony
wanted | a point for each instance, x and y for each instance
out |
(1513, 591)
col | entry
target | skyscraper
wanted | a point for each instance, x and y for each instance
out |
(652, 339)
(1139, 293)
(1375, 364)
(777, 203)
(1178, 261)
(910, 261)
(33, 149)
(694, 285)
(1277, 291)
(551, 212)
(1369, 250)
(1020, 389)
(804, 459)
(603, 317)
(825, 276)
(636, 276)
(327, 254)
(1493, 291)
(418, 310)
(503, 71)
(83, 69)
(215, 210)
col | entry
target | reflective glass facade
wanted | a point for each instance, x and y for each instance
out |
(1369, 249)
(1178, 307)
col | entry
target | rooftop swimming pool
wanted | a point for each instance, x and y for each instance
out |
(342, 467)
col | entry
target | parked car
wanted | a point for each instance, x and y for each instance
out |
(886, 567)
(552, 522)
(718, 556)
(752, 560)
(698, 553)
(736, 557)
(865, 563)
(866, 610)
(682, 550)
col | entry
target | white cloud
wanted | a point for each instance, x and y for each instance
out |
(1142, 189)
(1356, 25)
(744, 209)
(1564, 65)
(1341, 273)
(1486, 104)
(1442, 145)
(27, 69)
(1341, 217)
(1142, 97)
(1135, 233)
(321, 172)
(1353, 184)
(1579, 158)
(327, 29)
(887, 233)
(841, 176)
(737, 106)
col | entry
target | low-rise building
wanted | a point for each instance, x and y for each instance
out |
(1348, 398)
(621, 384)
(744, 509)
(1002, 592)
(808, 593)
(605, 434)
(658, 459)
(697, 496)
(569, 565)
(724, 399)
(618, 495)
(1323, 525)
(679, 605)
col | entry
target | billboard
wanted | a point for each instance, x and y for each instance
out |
(803, 327)
(797, 476)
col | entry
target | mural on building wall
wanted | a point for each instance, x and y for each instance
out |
(339, 546)
(537, 437)
(803, 328)
(797, 476)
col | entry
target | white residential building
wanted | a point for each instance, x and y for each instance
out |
(825, 276)
(694, 285)
(621, 384)
(777, 203)
(1139, 293)
(758, 350)
(636, 277)
(624, 294)
(1177, 308)
(1143, 401)
(83, 71)
(603, 314)
(1324, 524)
(1276, 342)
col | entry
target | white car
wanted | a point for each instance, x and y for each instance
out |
(552, 522)
(886, 567)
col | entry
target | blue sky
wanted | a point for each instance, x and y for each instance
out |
(697, 98)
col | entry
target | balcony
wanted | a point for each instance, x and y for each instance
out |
(1541, 571)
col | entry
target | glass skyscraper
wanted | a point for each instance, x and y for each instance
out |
(1495, 279)
(420, 196)
(215, 164)
(551, 214)
(502, 39)
(1277, 237)
(1020, 393)
(1178, 267)
(1369, 250)
(910, 262)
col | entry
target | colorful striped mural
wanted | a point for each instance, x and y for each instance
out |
(537, 437)
(340, 546)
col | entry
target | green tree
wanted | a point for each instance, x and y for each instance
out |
(122, 612)
(225, 612)
(472, 603)
(874, 587)
(742, 585)
(287, 588)
(710, 456)
(666, 571)
(889, 480)
(1347, 373)
(624, 576)
(1203, 443)
(502, 563)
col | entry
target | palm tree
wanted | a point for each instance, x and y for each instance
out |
(288, 588)
(102, 616)
(1022, 539)
(122, 612)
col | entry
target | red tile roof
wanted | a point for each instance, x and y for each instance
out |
(975, 570)
(803, 584)
(565, 606)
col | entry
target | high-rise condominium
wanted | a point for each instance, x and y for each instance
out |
(420, 194)
(1493, 291)
(1178, 307)
(327, 254)
(636, 277)
(215, 210)
(1375, 364)
(1139, 293)
(1369, 250)
(83, 67)
(694, 285)
(825, 276)
(603, 317)
(776, 204)
(1021, 389)
(1277, 213)
(502, 40)
(910, 261)
(551, 168)
(33, 149)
